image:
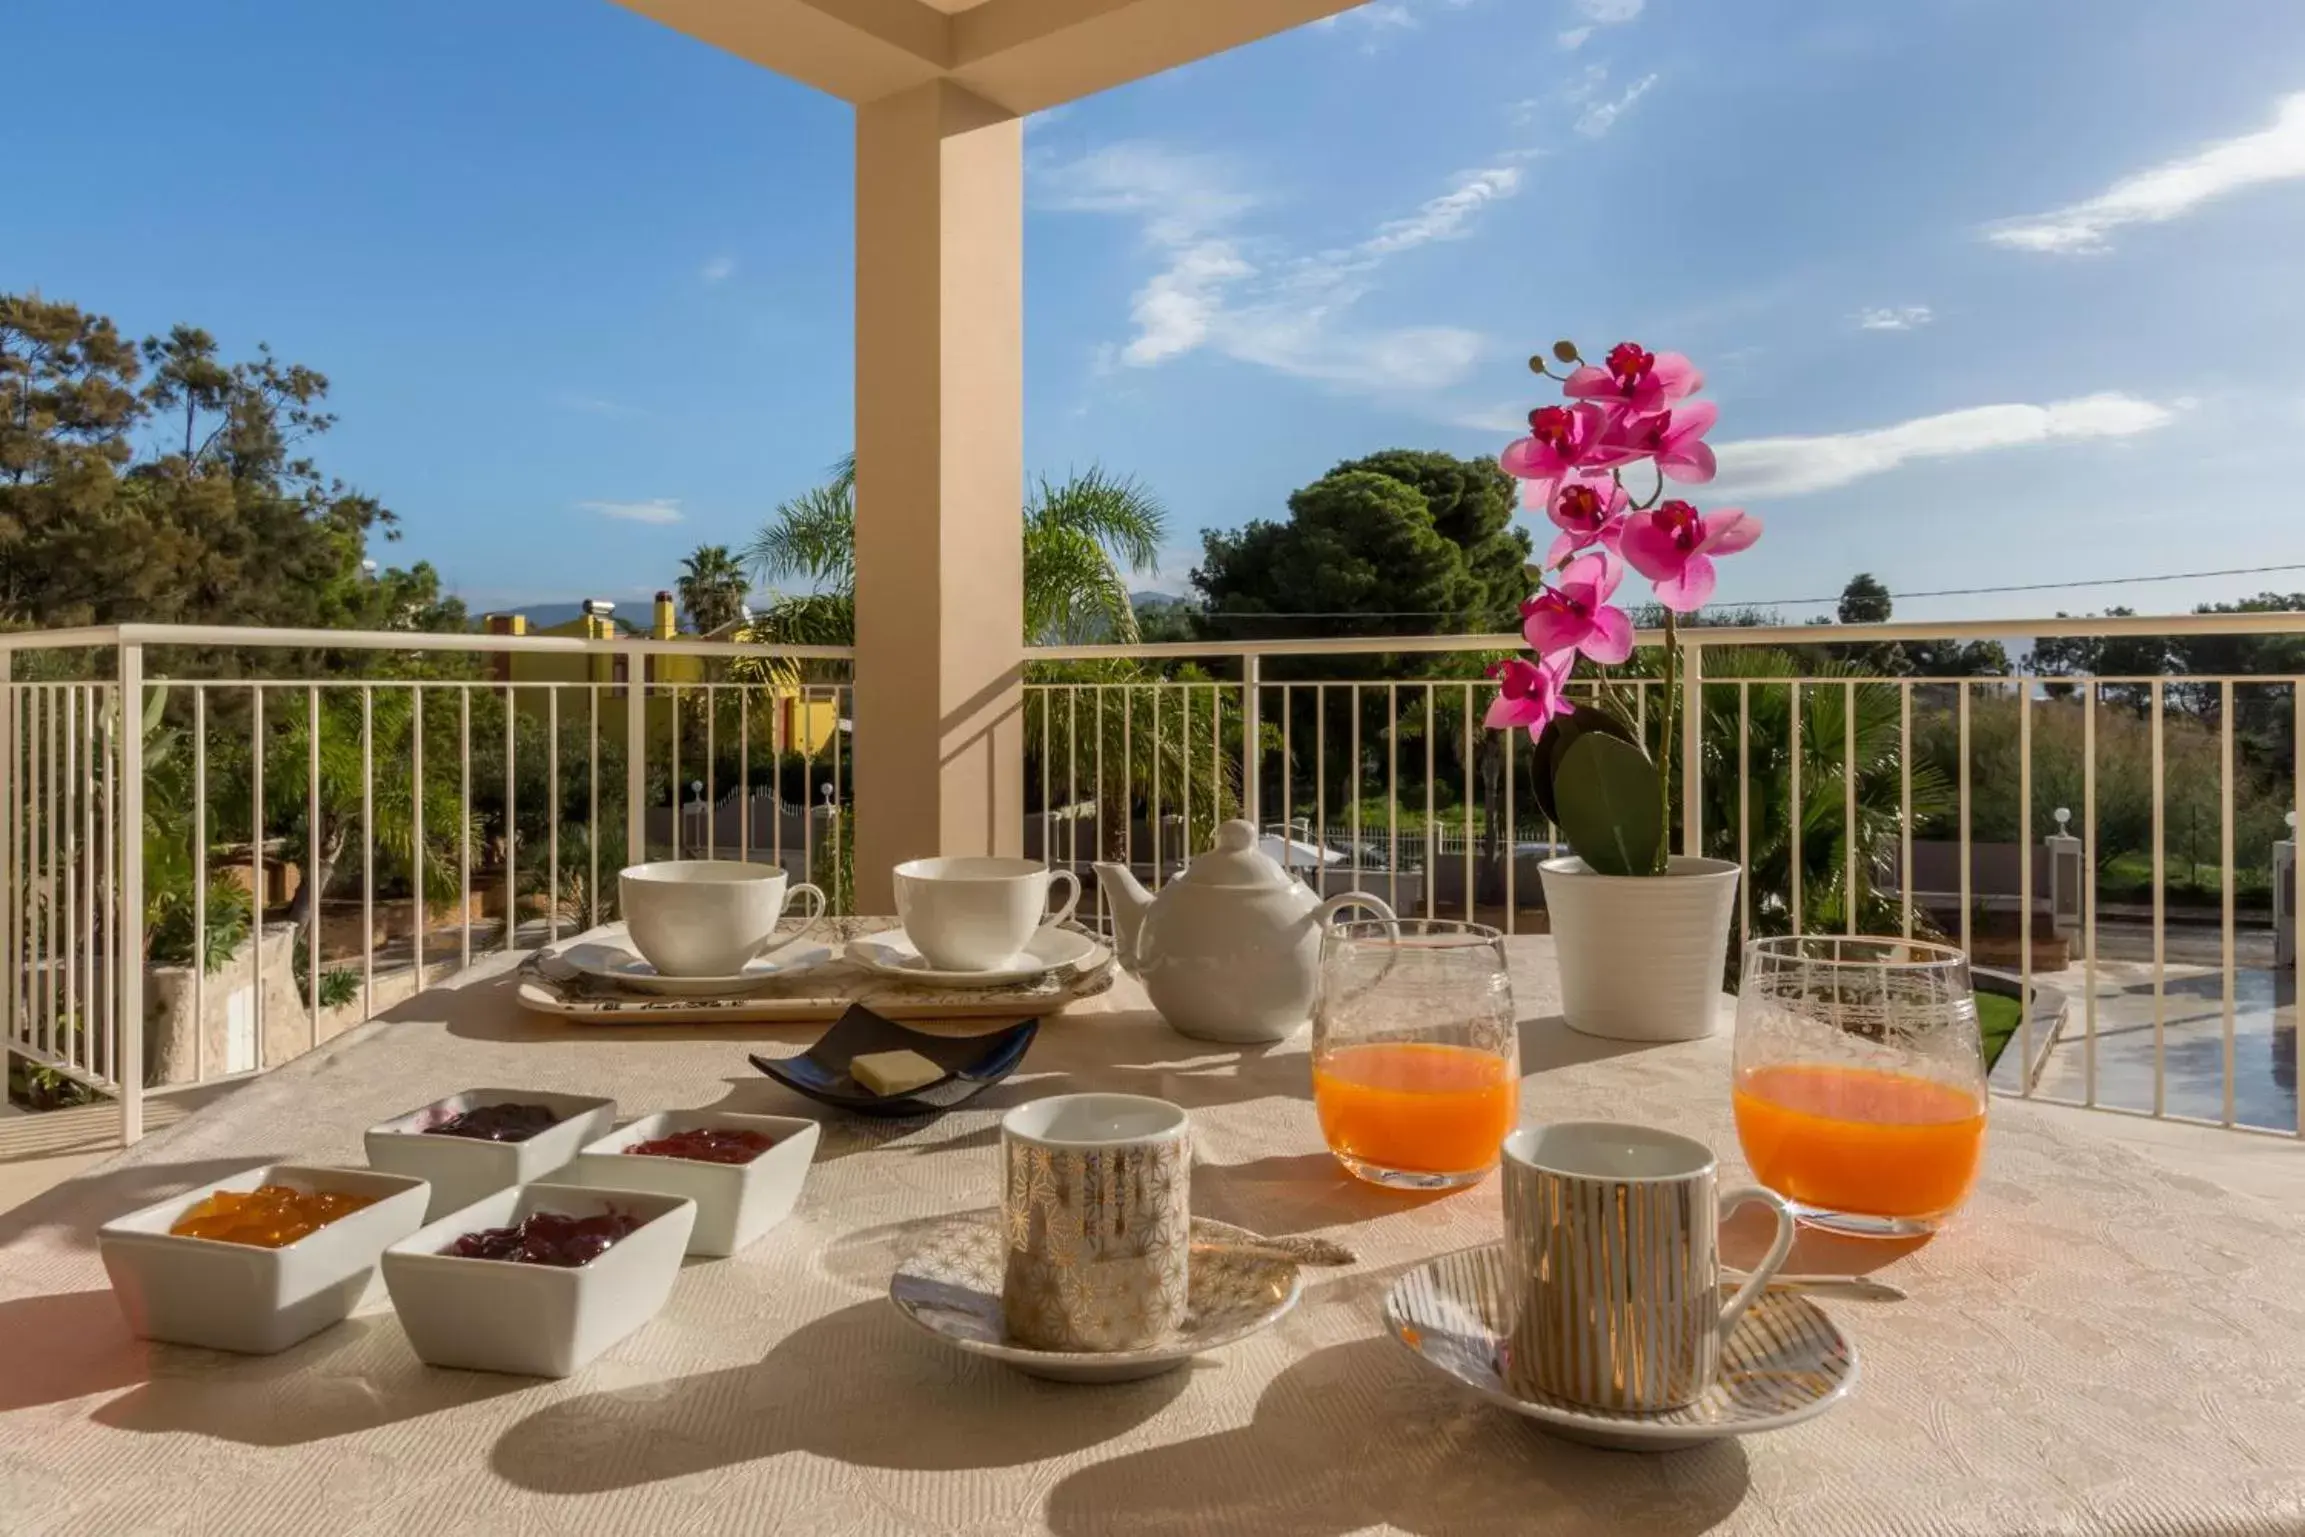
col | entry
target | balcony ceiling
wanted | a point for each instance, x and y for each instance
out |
(1022, 55)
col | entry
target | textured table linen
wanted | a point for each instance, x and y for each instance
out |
(2111, 1339)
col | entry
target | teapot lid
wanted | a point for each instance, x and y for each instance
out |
(1235, 861)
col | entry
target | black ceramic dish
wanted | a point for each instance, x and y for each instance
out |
(971, 1063)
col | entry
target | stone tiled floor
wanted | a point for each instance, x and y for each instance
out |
(2189, 1043)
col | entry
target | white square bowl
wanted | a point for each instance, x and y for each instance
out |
(237, 1296)
(735, 1202)
(463, 1169)
(493, 1315)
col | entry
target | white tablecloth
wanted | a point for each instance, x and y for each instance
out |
(2107, 1341)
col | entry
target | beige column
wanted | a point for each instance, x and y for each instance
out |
(939, 481)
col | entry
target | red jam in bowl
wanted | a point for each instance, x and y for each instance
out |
(706, 1144)
(548, 1238)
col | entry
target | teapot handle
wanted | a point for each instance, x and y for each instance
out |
(1343, 900)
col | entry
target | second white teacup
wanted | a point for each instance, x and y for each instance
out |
(707, 917)
(974, 913)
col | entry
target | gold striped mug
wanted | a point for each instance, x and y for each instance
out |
(1611, 1251)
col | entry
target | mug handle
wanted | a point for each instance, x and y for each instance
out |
(1071, 901)
(1772, 1262)
(816, 916)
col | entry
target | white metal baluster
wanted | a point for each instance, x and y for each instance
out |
(1905, 805)
(1961, 795)
(1692, 749)
(777, 738)
(1154, 801)
(807, 798)
(48, 884)
(15, 877)
(75, 1028)
(2160, 915)
(463, 828)
(1046, 697)
(711, 780)
(200, 877)
(839, 829)
(1185, 841)
(1321, 784)
(552, 814)
(1216, 755)
(367, 852)
(2225, 855)
(2024, 886)
(743, 780)
(1849, 807)
(312, 839)
(1072, 776)
(1393, 791)
(512, 823)
(417, 904)
(1472, 781)
(2089, 893)
(636, 755)
(110, 1014)
(1432, 808)
(131, 1074)
(1252, 738)
(256, 870)
(1513, 843)
(1793, 808)
(679, 806)
(1745, 814)
(591, 784)
(1354, 799)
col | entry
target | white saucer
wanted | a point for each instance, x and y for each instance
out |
(625, 967)
(892, 955)
(1784, 1363)
(950, 1287)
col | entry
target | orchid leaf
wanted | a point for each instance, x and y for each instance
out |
(1610, 805)
(1562, 734)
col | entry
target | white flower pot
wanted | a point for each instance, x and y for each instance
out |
(1641, 957)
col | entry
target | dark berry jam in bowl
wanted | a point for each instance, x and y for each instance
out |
(505, 1122)
(548, 1238)
(705, 1144)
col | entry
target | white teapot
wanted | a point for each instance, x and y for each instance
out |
(1230, 950)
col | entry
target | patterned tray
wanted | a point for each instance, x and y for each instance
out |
(822, 994)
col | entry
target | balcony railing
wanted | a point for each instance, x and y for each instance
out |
(461, 795)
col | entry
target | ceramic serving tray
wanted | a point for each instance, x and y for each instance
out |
(822, 993)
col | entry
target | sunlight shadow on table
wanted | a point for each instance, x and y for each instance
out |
(859, 1386)
(358, 1376)
(1355, 1437)
(66, 1345)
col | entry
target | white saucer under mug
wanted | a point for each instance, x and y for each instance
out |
(609, 961)
(891, 954)
(950, 1287)
(1785, 1362)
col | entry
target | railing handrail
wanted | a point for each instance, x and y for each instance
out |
(2274, 622)
(255, 637)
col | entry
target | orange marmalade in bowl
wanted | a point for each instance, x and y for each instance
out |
(269, 1217)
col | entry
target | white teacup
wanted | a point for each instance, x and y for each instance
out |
(973, 913)
(707, 917)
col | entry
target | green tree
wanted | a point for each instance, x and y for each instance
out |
(1864, 601)
(712, 588)
(1400, 542)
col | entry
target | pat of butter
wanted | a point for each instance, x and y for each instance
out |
(894, 1072)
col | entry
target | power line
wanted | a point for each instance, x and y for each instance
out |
(1941, 592)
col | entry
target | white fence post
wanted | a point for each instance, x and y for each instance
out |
(1252, 730)
(1692, 748)
(636, 756)
(128, 1020)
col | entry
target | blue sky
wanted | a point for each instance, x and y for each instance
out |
(1989, 291)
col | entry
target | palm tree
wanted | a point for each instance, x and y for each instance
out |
(712, 588)
(1083, 536)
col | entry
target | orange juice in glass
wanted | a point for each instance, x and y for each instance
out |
(1859, 1085)
(1416, 1054)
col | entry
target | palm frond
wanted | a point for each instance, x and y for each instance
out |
(810, 539)
(1117, 511)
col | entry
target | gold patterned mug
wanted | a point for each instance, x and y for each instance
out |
(1095, 1208)
(1611, 1238)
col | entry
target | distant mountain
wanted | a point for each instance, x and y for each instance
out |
(544, 616)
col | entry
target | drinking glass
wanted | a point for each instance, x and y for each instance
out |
(1860, 1080)
(1416, 1057)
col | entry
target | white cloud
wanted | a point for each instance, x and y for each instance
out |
(1898, 317)
(1609, 13)
(1250, 299)
(1760, 467)
(659, 509)
(718, 270)
(1600, 112)
(1572, 38)
(2167, 191)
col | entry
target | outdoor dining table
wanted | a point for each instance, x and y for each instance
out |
(2110, 1338)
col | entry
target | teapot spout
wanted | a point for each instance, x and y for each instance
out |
(1130, 901)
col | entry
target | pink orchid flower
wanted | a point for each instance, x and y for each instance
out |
(1588, 509)
(1675, 439)
(1529, 693)
(1574, 613)
(1673, 545)
(1561, 441)
(1636, 381)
